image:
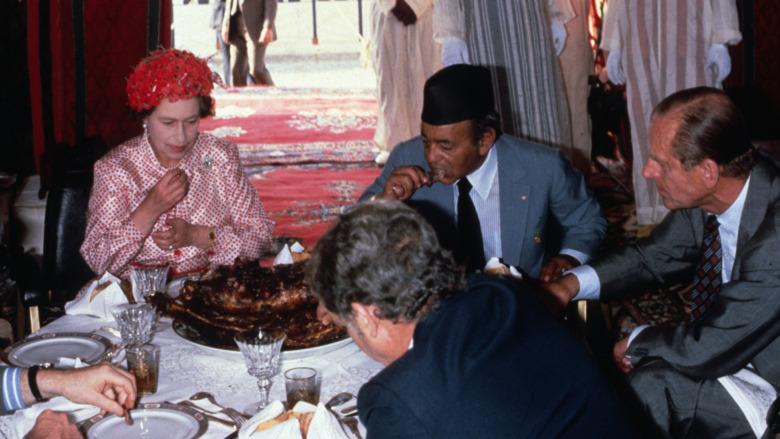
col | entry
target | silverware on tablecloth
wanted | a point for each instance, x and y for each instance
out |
(352, 423)
(208, 414)
(344, 419)
(227, 410)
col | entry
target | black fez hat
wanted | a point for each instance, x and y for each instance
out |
(457, 93)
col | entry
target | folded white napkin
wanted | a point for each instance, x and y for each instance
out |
(495, 267)
(69, 363)
(297, 247)
(753, 395)
(98, 303)
(323, 425)
(284, 257)
(24, 420)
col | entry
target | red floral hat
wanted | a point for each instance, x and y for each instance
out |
(174, 74)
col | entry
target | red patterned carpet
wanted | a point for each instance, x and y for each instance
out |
(309, 153)
(280, 125)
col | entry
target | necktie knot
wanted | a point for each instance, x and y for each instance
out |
(711, 224)
(464, 186)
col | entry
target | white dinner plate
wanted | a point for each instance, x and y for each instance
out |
(49, 348)
(150, 420)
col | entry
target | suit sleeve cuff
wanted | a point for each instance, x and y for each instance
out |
(12, 389)
(590, 286)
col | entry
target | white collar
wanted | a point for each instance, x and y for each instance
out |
(731, 217)
(482, 178)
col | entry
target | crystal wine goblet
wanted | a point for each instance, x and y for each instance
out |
(261, 350)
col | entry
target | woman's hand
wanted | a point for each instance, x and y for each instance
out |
(182, 234)
(167, 193)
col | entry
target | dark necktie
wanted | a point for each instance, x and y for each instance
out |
(471, 252)
(707, 280)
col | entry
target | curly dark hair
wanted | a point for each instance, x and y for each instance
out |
(205, 109)
(382, 253)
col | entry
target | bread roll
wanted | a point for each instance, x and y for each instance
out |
(286, 416)
(305, 421)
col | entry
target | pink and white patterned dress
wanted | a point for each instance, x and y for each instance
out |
(220, 196)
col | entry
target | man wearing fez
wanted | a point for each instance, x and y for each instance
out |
(465, 358)
(723, 233)
(487, 194)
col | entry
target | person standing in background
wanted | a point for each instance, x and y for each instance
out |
(217, 16)
(404, 55)
(654, 62)
(519, 43)
(576, 62)
(248, 26)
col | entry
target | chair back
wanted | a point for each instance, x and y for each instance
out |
(64, 270)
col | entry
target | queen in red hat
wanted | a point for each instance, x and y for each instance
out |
(172, 194)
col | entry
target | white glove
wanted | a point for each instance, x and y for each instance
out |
(559, 37)
(718, 61)
(454, 51)
(615, 68)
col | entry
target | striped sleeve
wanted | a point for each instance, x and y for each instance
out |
(12, 390)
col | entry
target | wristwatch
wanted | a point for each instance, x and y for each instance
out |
(32, 381)
(212, 237)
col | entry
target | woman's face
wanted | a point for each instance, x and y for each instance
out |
(173, 129)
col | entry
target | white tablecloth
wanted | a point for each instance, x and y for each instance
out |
(186, 368)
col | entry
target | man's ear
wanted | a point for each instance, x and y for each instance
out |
(710, 172)
(366, 319)
(487, 140)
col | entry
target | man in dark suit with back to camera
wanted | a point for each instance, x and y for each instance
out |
(724, 233)
(465, 358)
(522, 202)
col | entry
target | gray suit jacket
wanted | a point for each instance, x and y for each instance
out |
(255, 13)
(545, 205)
(743, 326)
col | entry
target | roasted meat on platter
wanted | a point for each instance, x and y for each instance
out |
(245, 296)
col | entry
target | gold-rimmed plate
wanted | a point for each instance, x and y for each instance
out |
(150, 420)
(49, 348)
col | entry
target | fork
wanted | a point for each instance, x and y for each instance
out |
(352, 423)
(211, 399)
(230, 413)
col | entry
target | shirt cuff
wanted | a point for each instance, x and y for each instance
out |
(636, 332)
(12, 389)
(580, 256)
(590, 286)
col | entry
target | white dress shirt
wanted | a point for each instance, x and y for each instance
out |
(485, 195)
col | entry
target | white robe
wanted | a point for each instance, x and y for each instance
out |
(513, 39)
(576, 66)
(663, 45)
(404, 57)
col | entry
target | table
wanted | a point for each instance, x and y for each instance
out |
(186, 368)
